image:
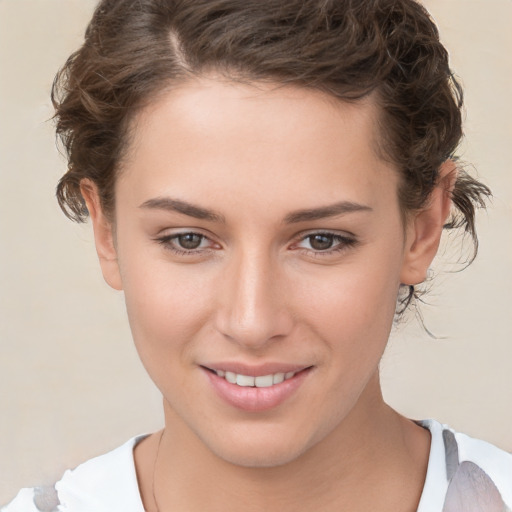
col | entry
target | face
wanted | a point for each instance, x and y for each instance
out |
(260, 246)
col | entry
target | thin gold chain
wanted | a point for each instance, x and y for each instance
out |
(154, 470)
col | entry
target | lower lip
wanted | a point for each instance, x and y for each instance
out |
(256, 399)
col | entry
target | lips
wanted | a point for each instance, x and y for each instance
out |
(260, 381)
(256, 388)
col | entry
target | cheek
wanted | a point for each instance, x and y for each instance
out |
(352, 309)
(354, 298)
(167, 305)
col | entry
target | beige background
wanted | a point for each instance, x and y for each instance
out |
(71, 385)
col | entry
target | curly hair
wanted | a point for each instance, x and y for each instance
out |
(135, 49)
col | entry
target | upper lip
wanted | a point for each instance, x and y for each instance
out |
(255, 370)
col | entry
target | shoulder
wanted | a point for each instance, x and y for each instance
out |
(104, 484)
(466, 473)
(36, 499)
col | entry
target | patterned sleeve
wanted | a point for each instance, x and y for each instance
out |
(470, 488)
(38, 499)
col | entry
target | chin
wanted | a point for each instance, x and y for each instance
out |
(248, 457)
(259, 451)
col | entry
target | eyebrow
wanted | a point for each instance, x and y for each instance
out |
(176, 205)
(333, 210)
(198, 212)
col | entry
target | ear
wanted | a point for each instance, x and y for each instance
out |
(103, 235)
(424, 228)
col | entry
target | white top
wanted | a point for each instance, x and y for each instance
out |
(463, 474)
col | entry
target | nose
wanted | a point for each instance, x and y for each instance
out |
(252, 307)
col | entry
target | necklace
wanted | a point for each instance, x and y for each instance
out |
(154, 471)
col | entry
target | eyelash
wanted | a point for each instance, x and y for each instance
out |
(168, 242)
(340, 243)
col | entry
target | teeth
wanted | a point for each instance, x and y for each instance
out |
(245, 380)
(263, 381)
(279, 377)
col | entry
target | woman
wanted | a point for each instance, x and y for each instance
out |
(266, 182)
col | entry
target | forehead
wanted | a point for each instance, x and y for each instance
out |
(282, 109)
(212, 138)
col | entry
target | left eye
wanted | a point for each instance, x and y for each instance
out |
(325, 242)
(321, 242)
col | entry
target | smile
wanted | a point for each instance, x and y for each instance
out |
(269, 385)
(263, 381)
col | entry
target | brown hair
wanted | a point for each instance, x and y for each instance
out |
(134, 49)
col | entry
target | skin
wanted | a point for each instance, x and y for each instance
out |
(258, 289)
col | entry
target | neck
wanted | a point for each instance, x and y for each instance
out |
(360, 465)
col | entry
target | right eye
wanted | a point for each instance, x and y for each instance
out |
(185, 243)
(189, 241)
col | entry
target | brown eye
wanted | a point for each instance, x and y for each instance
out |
(320, 242)
(189, 241)
(325, 244)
